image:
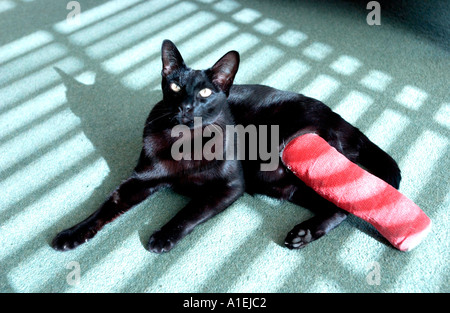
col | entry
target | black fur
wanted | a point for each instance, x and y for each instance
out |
(213, 185)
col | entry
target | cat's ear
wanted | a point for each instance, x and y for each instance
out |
(171, 58)
(223, 72)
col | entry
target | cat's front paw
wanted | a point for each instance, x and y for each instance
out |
(71, 238)
(162, 241)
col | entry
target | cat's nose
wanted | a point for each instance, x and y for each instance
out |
(187, 107)
(186, 114)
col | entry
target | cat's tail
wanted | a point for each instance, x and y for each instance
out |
(379, 163)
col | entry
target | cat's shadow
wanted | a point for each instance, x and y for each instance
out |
(112, 118)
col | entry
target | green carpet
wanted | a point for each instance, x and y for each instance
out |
(61, 155)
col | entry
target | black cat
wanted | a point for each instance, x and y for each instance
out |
(214, 184)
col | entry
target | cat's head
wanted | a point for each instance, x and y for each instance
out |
(196, 93)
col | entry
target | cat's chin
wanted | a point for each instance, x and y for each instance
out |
(187, 121)
(189, 124)
(192, 124)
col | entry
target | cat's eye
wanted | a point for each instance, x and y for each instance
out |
(175, 87)
(205, 92)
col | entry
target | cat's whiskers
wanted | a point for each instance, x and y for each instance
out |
(157, 118)
(217, 127)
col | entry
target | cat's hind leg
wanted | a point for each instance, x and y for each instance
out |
(312, 229)
(328, 217)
